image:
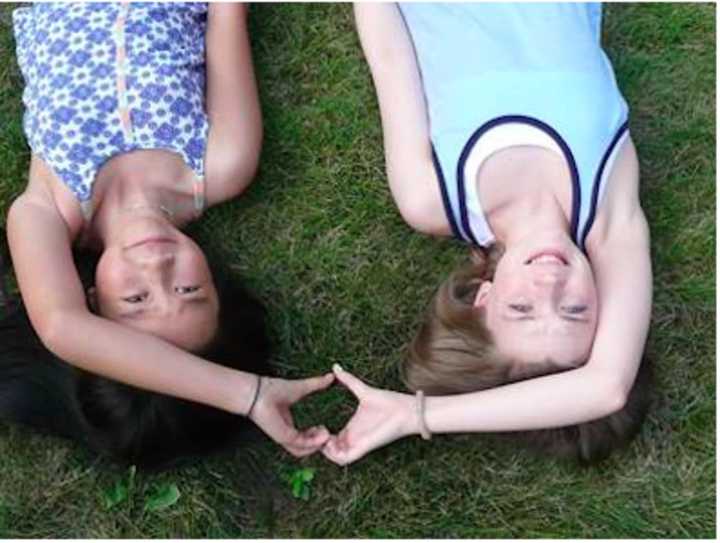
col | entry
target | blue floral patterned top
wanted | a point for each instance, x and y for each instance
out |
(108, 78)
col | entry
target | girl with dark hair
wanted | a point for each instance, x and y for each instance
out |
(503, 126)
(139, 116)
(127, 424)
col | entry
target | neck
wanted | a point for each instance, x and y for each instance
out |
(529, 216)
(139, 187)
(525, 190)
(131, 202)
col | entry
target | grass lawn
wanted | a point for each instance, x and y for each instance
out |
(319, 240)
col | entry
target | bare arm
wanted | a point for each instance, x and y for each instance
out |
(40, 244)
(55, 301)
(232, 104)
(391, 56)
(619, 250)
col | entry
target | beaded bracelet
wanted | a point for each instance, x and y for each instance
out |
(420, 410)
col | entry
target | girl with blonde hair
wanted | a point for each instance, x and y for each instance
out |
(504, 127)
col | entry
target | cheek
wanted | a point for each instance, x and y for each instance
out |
(194, 266)
(588, 288)
(509, 285)
(110, 276)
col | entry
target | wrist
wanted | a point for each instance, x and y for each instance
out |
(240, 393)
(410, 421)
(255, 397)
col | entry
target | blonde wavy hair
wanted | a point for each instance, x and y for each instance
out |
(453, 352)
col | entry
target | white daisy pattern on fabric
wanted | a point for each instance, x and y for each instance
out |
(109, 78)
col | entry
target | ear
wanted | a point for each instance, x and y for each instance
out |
(482, 294)
(91, 295)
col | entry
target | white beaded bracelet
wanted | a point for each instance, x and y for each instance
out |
(420, 410)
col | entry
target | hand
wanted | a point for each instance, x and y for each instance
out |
(272, 413)
(381, 417)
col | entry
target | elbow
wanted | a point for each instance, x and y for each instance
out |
(235, 175)
(52, 332)
(616, 400)
(238, 165)
(420, 213)
(614, 397)
(240, 177)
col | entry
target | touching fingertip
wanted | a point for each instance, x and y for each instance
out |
(337, 367)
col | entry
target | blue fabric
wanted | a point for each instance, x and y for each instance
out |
(67, 53)
(485, 64)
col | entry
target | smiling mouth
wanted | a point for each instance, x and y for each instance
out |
(548, 256)
(152, 240)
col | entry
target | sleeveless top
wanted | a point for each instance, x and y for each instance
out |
(103, 79)
(500, 75)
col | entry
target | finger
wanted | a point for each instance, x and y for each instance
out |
(343, 440)
(353, 384)
(308, 442)
(298, 452)
(332, 452)
(335, 452)
(313, 384)
(312, 438)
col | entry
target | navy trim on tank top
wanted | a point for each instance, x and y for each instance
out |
(596, 184)
(550, 131)
(445, 197)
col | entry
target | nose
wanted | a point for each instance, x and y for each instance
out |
(549, 279)
(153, 260)
(156, 266)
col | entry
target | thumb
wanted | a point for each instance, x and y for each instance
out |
(355, 385)
(313, 384)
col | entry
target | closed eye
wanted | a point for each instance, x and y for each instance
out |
(574, 309)
(521, 308)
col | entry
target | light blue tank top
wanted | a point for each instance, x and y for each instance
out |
(484, 65)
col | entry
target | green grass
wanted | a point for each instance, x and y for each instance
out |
(318, 238)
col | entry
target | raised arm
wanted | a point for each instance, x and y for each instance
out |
(391, 56)
(619, 250)
(40, 242)
(232, 104)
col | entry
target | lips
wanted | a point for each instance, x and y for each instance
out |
(551, 257)
(153, 240)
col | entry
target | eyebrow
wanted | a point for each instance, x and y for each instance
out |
(572, 319)
(139, 312)
(530, 318)
(132, 314)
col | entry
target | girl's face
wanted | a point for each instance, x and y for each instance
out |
(542, 302)
(157, 279)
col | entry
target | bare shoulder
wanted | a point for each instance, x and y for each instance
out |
(620, 219)
(45, 193)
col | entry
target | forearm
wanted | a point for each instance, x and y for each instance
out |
(120, 353)
(552, 401)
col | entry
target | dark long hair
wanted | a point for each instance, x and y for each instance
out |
(127, 424)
